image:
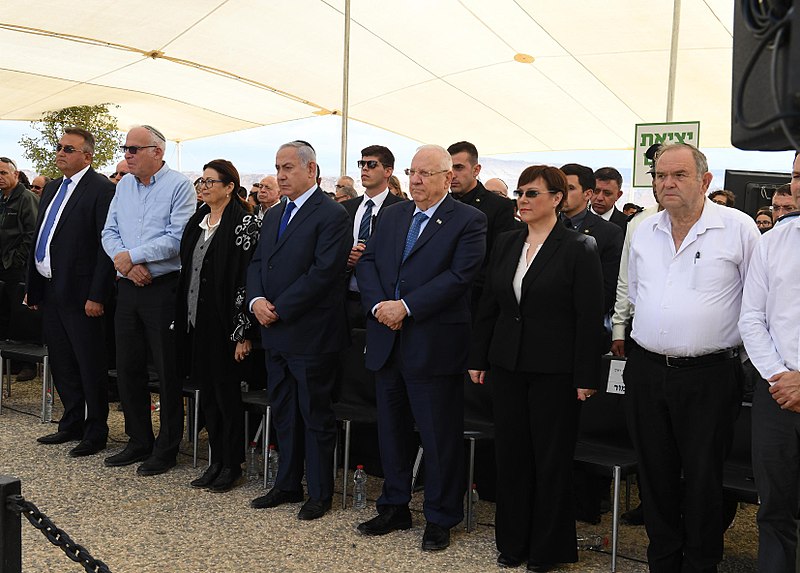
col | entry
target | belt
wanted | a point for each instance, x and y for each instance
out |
(353, 295)
(689, 361)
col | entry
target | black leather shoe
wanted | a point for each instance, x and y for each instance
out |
(26, 374)
(390, 518)
(633, 517)
(208, 476)
(435, 538)
(227, 479)
(87, 448)
(508, 562)
(154, 466)
(540, 567)
(314, 509)
(60, 437)
(276, 497)
(126, 457)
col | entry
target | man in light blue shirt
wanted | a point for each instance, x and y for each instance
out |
(142, 235)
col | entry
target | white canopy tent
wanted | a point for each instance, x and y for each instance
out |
(510, 75)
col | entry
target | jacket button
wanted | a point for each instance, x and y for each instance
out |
(202, 280)
(270, 267)
(517, 318)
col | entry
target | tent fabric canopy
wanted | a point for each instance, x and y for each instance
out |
(435, 70)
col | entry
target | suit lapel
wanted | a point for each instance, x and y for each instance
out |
(551, 244)
(436, 222)
(303, 213)
(508, 268)
(74, 198)
(404, 226)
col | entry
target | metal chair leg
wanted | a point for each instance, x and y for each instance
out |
(8, 377)
(415, 471)
(47, 386)
(346, 468)
(470, 503)
(267, 420)
(196, 427)
(615, 520)
(2, 362)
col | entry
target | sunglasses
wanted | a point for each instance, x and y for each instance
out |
(119, 173)
(37, 187)
(134, 149)
(530, 193)
(68, 149)
(372, 164)
(259, 186)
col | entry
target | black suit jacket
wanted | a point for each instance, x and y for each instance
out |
(609, 239)
(619, 218)
(499, 219)
(302, 274)
(80, 267)
(553, 329)
(433, 281)
(351, 206)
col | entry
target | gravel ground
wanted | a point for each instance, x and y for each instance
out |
(154, 524)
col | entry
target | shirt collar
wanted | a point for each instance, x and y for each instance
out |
(157, 176)
(432, 209)
(304, 197)
(78, 176)
(378, 199)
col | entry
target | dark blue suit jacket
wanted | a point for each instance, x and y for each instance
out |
(434, 282)
(81, 268)
(302, 274)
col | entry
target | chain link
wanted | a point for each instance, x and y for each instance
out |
(56, 536)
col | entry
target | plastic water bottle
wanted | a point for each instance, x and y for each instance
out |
(252, 462)
(360, 488)
(473, 494)
(272, 466)
(591, 542)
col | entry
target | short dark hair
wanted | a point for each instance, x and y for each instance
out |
(608, 174)
(384, 155)
(229, 174)
(88, 138)
(785, 189)
(584, 174)
(632, 206)
(553, 176)
(730, 198)
(461, 146)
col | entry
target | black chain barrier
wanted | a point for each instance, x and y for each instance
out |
(58, 537)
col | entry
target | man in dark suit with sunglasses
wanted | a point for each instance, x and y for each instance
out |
(71, 278)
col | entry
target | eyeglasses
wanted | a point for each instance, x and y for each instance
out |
(372, 164)
(134, 149)
(423, 173)
(764, 223)
(118, 173)
(37, 187)
(68, 149)
(259, 186)
(207, 183)
(784, 208)
(530, 193)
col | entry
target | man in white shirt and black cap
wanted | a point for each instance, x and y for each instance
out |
(683, 378)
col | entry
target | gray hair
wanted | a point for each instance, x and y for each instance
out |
(700, 161)
(349, 192)
(305, 152)
(446, 159)
(156, 137)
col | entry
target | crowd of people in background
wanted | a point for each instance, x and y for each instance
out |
(455, 282)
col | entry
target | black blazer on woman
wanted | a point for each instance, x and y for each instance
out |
(554, 327)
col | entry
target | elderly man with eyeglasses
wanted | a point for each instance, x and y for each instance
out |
(142, 235)
(18, 210)
(268, 194)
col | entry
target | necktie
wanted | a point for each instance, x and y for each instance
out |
(413, 233)
(41, 248)
(285, 219)
(366, 220)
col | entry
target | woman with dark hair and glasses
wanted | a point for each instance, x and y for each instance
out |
(212, 322)
(536, 343)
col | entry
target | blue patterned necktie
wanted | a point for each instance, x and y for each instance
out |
(285, 219)
(413, 233)
(41, 247)
(366, 220)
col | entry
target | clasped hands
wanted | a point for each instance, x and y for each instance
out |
(785, 390)
(264, 312)
(391, 313)
(136, 273)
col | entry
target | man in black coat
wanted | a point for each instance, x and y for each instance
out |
(607, 190)
(466, 188)
(71, 278)
(376, 165)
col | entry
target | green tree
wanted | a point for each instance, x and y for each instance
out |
(94, 118)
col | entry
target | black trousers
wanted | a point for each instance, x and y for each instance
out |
(776, 464)
(681, 422)
(80, 372)
(143, 320)
(536, 427)
(10, 294)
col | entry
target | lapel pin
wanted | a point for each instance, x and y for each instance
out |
(438, 221)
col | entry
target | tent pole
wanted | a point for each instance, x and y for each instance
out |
(178, 154)
(345, 87)
(673, 57)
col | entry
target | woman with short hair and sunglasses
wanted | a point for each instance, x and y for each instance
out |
(536, 343)
(212, 323)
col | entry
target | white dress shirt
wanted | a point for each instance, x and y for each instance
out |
(623, 309)
(377, 204)
(605, 216)
(43, 266)
(770, 319)
(522, 268)
(688, 301)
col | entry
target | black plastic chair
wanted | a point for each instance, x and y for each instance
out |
(25, 344)
(191, 392)
(257, 400)
(737, 473)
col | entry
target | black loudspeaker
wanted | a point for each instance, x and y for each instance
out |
(766, 82)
